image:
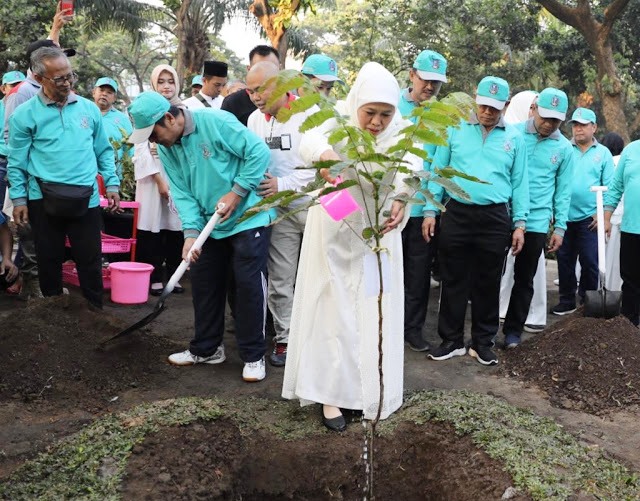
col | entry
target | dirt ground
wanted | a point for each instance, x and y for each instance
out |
(54, 379)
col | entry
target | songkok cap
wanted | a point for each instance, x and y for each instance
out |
(321, 67)
(431, 65)
(493, 91)
(215, 69)
(107, 81)
(12, 77)
(197, 80)
(145, 111)
(583, 116)
(552, 103)
(38, 44)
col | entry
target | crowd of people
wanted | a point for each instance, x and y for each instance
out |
(223, 149)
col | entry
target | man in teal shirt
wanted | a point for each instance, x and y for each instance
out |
(626, 181)
(58, 137)
(105, 92)
(550, 165)
(475, 233)
(211, 158)
(593, 166)
(427, 76)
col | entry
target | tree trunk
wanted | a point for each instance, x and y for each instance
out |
(181, 35)
(597, 35)
(276, 33)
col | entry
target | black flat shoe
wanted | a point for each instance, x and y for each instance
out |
(178, 289)
(156, 292)
(335, 424)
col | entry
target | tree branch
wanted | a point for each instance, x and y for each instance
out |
(611, 14)
(562, 12)
(635, 125)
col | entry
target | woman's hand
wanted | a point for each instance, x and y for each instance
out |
(397, 215)
(326, 173)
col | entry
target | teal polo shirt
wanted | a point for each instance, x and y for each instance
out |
(114, 122)
(550, 168)
(498, 157)
(405, 107)
(215, 155)
(63, 144)
(626, 181)
(594, 167)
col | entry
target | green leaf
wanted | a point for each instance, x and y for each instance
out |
(431, 199)
(338, 135)
(368, 233)
(286, 80)
(449, 172)
(339, 187)
(298, 106)
(431, 137)
(293, 212)
(317, 119)
(451, 187)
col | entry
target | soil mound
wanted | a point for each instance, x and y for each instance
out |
(588, 364)
(213, 460)
(51, 352)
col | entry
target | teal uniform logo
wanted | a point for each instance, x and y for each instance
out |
(206, 152)
(84, 122)
(508, 146)
(493, 89)
(554, 159)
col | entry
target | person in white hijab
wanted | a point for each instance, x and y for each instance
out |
(160, 236)
(519, 110)
(332, 356)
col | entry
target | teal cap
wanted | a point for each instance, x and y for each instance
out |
(106, 81)
(13, 77)
(322, 67)
(552, 103)
(583, 116)
(145, 111)
(197, 80)
(493, 91)
(431, 65)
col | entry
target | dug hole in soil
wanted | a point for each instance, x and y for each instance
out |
(586, 364)
(213, 460)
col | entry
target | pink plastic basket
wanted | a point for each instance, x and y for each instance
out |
(70, 275)
(111, 244)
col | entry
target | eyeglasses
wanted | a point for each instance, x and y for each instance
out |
(60, 81)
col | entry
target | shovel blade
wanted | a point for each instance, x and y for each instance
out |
(602, 303)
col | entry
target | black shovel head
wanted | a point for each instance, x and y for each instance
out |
(159, 307)
(602, 303)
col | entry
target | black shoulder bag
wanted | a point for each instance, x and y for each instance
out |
(65, 200)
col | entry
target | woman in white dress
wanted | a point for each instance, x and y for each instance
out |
(332, 356)
(519, 110)
(160, 236)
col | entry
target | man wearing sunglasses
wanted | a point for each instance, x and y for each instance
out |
(57, 146)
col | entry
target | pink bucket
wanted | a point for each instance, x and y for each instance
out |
(339, 204)
(130, 282)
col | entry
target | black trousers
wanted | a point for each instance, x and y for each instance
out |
(472, 247)
(84, 235)
(417, 256)
(630, 273)
(526, 264)
(164, 247)
(246, 253)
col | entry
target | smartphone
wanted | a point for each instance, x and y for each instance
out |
(67, 6)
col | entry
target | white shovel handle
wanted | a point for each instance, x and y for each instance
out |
(204, 234)
(600, 219)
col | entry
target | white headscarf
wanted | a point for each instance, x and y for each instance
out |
(374, 84)
(518, 109)
(155, 74)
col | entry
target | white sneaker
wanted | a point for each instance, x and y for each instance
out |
(188, 358)
(254, 371)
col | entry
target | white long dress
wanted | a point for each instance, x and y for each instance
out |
(154, 214)
(612, 261)
(332, 356)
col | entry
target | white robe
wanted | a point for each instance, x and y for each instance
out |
(154, 214)
(612, 256)
(332, 355)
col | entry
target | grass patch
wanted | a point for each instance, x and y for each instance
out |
(542, 458)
